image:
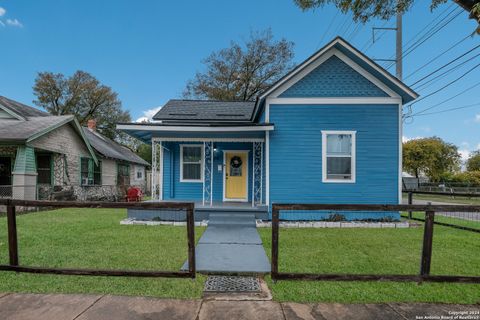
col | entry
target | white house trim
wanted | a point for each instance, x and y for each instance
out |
(202, 163)
(332, 100)
(400, 152)
(161, 173)
(345, 100)
(324, 156)
(195, 128)
(267, 168)
(225, 199)
(195, 139)
(312, 66)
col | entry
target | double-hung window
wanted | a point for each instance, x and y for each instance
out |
(44, 168)
(338, 156)
(90, 173)
(191, 163)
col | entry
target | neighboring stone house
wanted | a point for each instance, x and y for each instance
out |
(53, 157)
(119, 165)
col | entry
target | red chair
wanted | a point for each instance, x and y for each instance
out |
(134, 194)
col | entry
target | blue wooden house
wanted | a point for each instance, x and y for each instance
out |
(329, 131)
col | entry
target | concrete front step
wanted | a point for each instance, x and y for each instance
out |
(229, 219)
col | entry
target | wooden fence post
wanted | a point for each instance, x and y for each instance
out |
(427, 243)
(275, 227)
(410, 201)
(12, 235)
(191, 240)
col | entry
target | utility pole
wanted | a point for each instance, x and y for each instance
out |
(398, 47)
(398, 60)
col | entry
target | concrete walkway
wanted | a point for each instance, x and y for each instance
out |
(93, 307)
(231, 244)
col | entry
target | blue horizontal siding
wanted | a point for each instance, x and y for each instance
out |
(296, 155)
(333, 78)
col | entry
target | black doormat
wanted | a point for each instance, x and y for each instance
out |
(232, 284)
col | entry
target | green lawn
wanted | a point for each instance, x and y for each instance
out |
(448, 219)
(446, 199)
(94, 238)
(374, 251)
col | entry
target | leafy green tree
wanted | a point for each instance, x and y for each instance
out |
(432, 157)
(145, 152)
(241, 72)
(364, 10)
(473, 162)
(83, 96)
(467, 178)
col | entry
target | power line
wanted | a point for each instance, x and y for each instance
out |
(445, 86)
(369, 44)
(432, 81)
(449, 109)
(344, 32)
(446, 65)
(413, 47)
(446, 100)
(328, 29)
(429, 24)
(438, 56)
(355, 31)
(439, 26)
(340, 28)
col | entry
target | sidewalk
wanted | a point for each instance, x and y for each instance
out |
(92, 307)
(231, 244)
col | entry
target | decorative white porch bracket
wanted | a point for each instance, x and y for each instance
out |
(257, 181)
(157, 170)
(208, 173)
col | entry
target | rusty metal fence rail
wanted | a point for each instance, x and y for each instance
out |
(14, 261)
(425, 258)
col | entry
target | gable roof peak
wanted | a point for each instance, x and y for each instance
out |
(20, 110)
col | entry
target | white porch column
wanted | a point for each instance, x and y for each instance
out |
(207, 196)
(157, 169)
(257, 179)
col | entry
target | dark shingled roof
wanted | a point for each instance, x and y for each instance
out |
(19, 130)
(110, 149)
(206, 110)
(21, 109)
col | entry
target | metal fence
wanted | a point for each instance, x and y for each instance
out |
(14, 263)
(425, 258)
(18, 191)
(449, 187)
(453, 218)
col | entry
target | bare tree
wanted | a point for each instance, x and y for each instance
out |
(83, 96)
(241, 72)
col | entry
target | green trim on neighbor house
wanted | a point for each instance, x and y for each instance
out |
(11, 113)
(25, 162)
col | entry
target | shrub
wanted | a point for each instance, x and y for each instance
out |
(335, 217)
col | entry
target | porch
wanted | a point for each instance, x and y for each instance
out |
(209, 164)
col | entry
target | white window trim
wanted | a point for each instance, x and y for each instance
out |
(201, 163)
(324, 156)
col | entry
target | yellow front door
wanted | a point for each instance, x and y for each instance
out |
(236, 166)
